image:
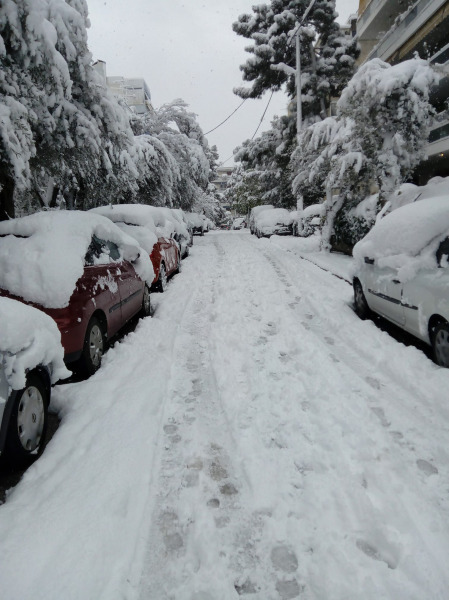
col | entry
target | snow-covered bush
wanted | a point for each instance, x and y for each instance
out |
(378, 137)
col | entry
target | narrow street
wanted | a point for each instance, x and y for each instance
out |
(253, 438)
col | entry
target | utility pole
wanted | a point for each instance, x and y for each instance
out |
(299, 202)
(298, 69)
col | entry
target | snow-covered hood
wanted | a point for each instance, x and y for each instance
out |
(42, 255)
(28, 338)
(407, 238)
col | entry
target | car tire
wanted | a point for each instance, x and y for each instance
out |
(25, 440)
(162, 279)
(146, 302)
(440, 344)
(186, 252)
(93, 347)
(360, 304)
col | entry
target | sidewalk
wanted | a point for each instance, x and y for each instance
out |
(340, 265)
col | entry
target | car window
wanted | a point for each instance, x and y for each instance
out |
(101, 252)
(443, 253)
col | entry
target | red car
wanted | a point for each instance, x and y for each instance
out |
(81, 270)
(153, 231)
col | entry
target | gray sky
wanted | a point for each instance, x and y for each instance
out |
(187, 49)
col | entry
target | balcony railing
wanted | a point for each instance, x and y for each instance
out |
(439, 133)
(399, 33)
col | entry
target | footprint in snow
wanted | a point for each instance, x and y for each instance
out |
(376, 554)
(171, 428)
(247, 587)
(373, 382)
(427, 467)
(379, 412)
(169, 526)
(228, 489)
(284, 559)
(217, 471)
(289, 589)
(330, 341)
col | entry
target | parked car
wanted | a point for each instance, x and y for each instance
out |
(154, 232)
(80, 269)
(31, 360)
(402, 272)
(253, 214)
(277, 221)
(184, 234)
(239, 223)
(306, 222)
(197, 223)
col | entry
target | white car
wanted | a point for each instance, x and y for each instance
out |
(402, 272)
(31, 360)
(253, 214)
(277, 221)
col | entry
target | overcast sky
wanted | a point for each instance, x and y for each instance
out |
(187, 49)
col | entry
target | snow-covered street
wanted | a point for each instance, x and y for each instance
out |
(253, 438)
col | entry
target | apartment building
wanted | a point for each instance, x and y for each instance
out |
(134, 91)
(397, 30)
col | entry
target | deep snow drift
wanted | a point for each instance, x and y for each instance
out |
(253, 438)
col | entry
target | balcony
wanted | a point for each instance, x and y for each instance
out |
(439, 139)
(379, 17)
(410, 23)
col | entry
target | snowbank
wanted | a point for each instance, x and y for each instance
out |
(42, 255)
(29, 338)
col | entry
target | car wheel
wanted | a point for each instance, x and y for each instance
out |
(162, 279)
(440, 344)
(186, 252)
(360, 303)
(94, 347)
(146, 302)
(25, 440)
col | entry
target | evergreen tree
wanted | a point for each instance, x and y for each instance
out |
(273, 57)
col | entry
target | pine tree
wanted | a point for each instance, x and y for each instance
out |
(273, 61)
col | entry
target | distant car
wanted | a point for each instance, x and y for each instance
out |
(308, 221)
(238, 223)
(277, 221)
(253, 214)
(31, 360)
(402, 272)
(197, 223)
(81, 270)
(153, 230)
(184, 234)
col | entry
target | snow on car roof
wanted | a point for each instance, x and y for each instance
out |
(274, 216)
(161, 221)
(42, 255)
(136, 220)
(195, 219)
(407, 238)
(29, 338)
(313, 210)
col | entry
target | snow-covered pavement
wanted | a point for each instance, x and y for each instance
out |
(253, 439)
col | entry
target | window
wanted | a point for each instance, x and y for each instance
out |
(101, 252)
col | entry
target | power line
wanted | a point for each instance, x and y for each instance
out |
(260, 123)
(225, 161)
(264, 112)
(227, 118)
